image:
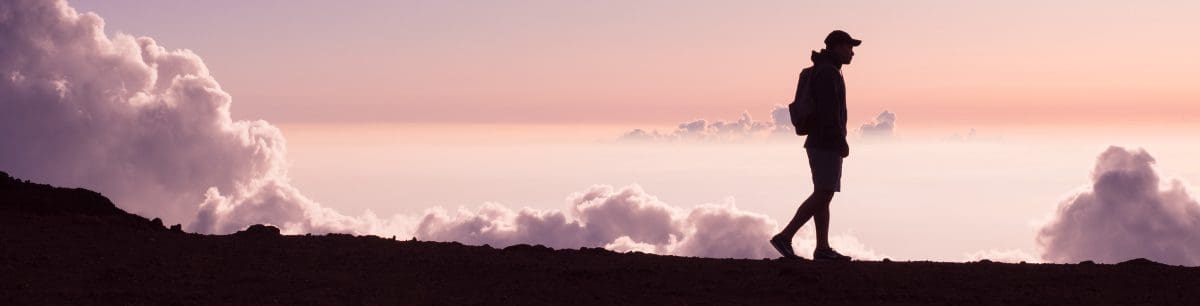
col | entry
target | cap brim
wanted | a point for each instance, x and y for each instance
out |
(855, 42)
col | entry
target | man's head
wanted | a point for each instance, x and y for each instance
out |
(840, 44)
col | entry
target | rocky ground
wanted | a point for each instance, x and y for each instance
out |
(73, 246)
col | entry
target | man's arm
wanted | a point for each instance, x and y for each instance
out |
(823, 95)
(829, 124)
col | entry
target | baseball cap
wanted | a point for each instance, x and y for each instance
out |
(839, 36)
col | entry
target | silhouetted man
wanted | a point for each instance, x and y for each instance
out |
(826, 145)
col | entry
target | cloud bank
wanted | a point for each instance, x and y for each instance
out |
(624, 219)
(747, 129)
(147, 126)
(1125, 214)
(701, 130)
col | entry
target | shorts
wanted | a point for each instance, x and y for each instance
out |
(826, 166)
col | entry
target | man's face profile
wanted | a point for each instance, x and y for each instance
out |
(844, 52)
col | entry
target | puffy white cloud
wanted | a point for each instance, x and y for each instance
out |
(625, 244)
(782, 120)
(883, 126)
(726, 231)
(1126, 213)
(147, 126)
(625, 219)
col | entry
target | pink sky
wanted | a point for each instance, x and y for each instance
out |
(661, 62)
(395, 111)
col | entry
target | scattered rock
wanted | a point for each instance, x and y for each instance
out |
(1087, 262)
(885, 259)
(603, 251)
(1140, 262)
(258, 231)
(528, 248)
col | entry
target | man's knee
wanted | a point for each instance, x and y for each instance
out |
(823, 195)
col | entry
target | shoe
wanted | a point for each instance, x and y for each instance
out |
(784, 248)
(828, 254)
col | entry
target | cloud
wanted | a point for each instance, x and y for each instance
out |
(625, 219)
(147, 126)
(973, 136)
(1125, 214)
(845, 244)
(748, 129)
(883, 126)
(781, 119)
(625, 244)
(702, 130)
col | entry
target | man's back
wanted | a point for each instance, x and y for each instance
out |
(829, 96)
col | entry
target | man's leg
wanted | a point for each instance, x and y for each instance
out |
(817, 202)
(821, 218)
(823, 252)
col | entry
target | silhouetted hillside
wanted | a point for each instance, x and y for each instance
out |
(26, 197)
(73, 246)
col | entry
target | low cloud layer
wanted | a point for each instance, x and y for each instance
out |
(883, 126)
(702, 130)
(1126, 213)
(624, 219)
(747, 129)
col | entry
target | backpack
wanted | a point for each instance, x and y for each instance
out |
(803, 106)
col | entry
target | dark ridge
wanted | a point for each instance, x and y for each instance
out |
(1140, 262)
(21, 197)
(61, 246)
(24, 196)
(529, 248)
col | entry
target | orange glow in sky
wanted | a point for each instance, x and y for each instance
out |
(663, 62)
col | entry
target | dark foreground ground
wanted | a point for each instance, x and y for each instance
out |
(72, 246)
